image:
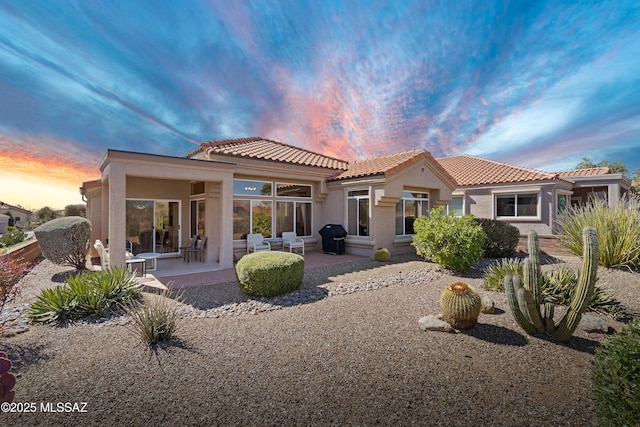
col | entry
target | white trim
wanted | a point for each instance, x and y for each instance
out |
(515, 217)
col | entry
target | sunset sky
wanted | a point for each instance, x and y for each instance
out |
(535, 83)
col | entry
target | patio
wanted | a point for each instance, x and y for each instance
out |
(175, 273)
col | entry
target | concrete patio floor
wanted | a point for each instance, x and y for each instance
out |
(175, 273)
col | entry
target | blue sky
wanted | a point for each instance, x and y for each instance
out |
(535, 83)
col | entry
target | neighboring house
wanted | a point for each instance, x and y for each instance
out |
(527, 198)
(21, 216)
(4, 222)
(227, 189)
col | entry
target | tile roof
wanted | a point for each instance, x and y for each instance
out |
(585, 172)
(385, 165)
(469, 170)
(266, 149)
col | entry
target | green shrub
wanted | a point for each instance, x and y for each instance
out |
(615, 376)
(94, 294)
(451, 242)
(65, 241)
(156, 320)
(557, 286)
(269, 273)
(618, 230)
(12, 237)
(496, 272)
(502, 238)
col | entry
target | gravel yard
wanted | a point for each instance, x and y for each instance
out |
(344, 350)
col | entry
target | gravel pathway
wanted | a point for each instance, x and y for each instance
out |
(328, 354)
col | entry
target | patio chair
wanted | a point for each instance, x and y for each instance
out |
(103, 253)
(198, 249)
(256, 243)
(290, 240)
(191, 245)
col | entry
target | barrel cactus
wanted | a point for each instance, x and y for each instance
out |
(7, 380)
(382, 255)
(460, 305)
(525, 297)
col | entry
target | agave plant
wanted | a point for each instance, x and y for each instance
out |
(53, 305)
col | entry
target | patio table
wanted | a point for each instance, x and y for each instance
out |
(131, 261)
(150, 256)
(275, 241)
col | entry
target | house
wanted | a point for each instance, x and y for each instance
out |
(21, 216)
(227, 189)
(527, 198)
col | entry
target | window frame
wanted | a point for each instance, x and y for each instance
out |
(358, 198)
(515, 193)
(412, 199)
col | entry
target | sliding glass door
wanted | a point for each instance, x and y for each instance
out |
(153, 226)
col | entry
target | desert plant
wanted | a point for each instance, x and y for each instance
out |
(451, 242)
(502, 238)
(12, 237)
(65, 241)
(460, 305)
(618, 230)
(495, 273)
(157, 319)
(382, 255)
(269, 273)
(615, 378)
(94, 294)
(11, 271)
(524, 301)
(7, 380)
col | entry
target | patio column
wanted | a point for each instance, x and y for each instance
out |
(117, 215)
(226, 223)
(613, 194)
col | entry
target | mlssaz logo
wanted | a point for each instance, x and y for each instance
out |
(63, 407)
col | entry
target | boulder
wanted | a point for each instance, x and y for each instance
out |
(434, 323)
(593, 324)
(488, 305)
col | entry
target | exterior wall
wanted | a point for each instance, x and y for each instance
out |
(4, 222)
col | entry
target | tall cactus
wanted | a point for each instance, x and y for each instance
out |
(525, 300)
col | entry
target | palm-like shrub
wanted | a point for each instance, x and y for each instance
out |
(451, 242)
(618, 230)
(156, 320)
(65, 241)
(615, 376)
(95, 294)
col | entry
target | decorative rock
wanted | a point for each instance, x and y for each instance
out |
(593, 324)
(434, 323)
(488, 305)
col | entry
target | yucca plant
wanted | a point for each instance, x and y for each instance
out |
(53, 305)
(494, 274)
(157, 319)
(618, 230)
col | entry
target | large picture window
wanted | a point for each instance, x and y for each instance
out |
(411, 207)
(268, 213)
(517, 205)
(456, 206)
(358, 213)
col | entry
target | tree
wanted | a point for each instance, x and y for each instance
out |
(46, 214)
(76, 210)
(614, 167)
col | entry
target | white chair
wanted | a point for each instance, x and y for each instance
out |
(256, 243)
(290, 240)
(103, 253)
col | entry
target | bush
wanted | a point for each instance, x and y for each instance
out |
(615, 376)
(618, 230)
(269, 273)
(155, 320)
(11, 271)
(12, 237)
(557, 286)
(451, 242)
(65, 241)
(502, 238)
(94, 294)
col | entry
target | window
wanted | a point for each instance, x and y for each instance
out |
(293, 190)
(455, 206)
(563, 202)
(197, 218)
(256, 214)
(517, 205)
(358, 213)
(411, 207)
(251, 188)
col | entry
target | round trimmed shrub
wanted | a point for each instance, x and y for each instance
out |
(269, 273)
(65, 241)
(502, 238)
(615, 376)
